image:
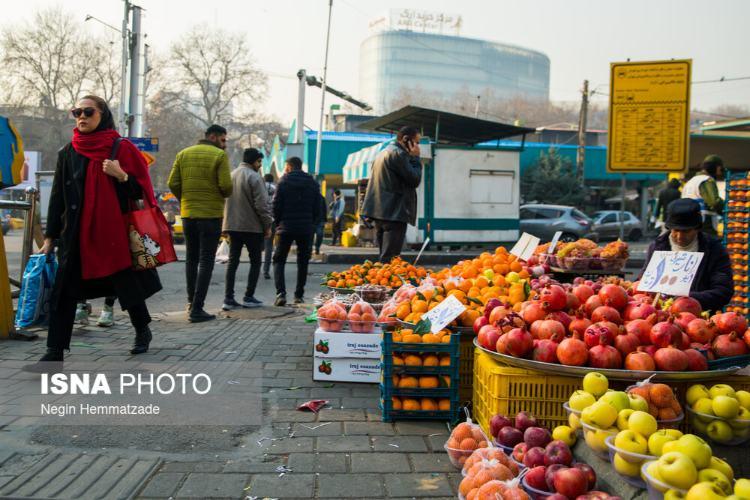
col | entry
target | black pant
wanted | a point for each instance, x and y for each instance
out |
(390, 236)
(63, 315)
(337, 227)
(319, 234)
(254, 244)
(268, 249)
(304, 246)
(201, 240)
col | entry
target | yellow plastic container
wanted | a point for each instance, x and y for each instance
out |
(348, 239)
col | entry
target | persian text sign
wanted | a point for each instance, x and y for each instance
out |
(670, 273)
(442, 314)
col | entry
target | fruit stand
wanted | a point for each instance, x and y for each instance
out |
(736, 218)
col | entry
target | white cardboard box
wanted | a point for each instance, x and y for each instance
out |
(347, 369)
(347, 344)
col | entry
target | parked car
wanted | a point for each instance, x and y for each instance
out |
(607, 225)
(543, 221)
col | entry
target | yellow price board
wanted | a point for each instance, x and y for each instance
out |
(649, 116)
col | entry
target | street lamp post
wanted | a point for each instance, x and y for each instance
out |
(319, 142)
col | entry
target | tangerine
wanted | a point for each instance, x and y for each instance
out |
(430, 360)
(412, 360)
(410, 405)
(429, 382)
(408, 381)
(429, 404)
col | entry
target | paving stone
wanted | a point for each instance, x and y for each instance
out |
(336, 415)
(330, 392)
(364, 403)
(193, 467)
(343, 444)
(421, 428)
(162, 485)
(291, 445)
(292, 416)
(404, 444)
(287, 486)
(207, 485)
(437, 442)
(279, 366)
(329, 429)
(379, 462)
(368, 428)
(417, 485)
(317, 462)
(254, 466)
(431, 462)
(346, 486)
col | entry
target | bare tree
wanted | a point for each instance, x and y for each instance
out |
(105, 72)
(213, 75)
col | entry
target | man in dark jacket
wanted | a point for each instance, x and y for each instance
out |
(296, 207)
(391, 197)
(712, 286)
(666, 196)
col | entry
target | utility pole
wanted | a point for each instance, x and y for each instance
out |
(124, 70)
(136, 39)
(581, 155)
(323, 94)
(476, 108)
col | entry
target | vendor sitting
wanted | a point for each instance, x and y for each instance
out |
(712, 286)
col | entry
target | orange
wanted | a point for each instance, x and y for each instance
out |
(408, 381)
(429, 338)
(462, 431)
(445, 360)
(446, 339)
(397, 337)
(468, 444)
(412, 360)
(414, 338)
(430, 360)
(397, 360)
(396, 402)
(481, 282)
(428, 382)
(444, 404)
(429, 404)
(410, 405)
(468, 317)
(403, 310)
(477, 433)
(419, 306)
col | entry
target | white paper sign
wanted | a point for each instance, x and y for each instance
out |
(553, 243)
(525, 246)
(670, 273)
(424, 245)
(444, 313)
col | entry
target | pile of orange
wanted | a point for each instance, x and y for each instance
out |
(421, 381)
(407, 336)
(417, 359)
(738, 220)
(392, 274)
(421, 404)
(462, 442)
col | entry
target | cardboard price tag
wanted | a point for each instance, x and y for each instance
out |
(670, 273)
(525, 246)
(553, 243)
(444, 313)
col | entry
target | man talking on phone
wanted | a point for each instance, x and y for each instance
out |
(391, 197)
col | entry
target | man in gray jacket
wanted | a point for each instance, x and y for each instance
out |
(391, 197)
(247, 220)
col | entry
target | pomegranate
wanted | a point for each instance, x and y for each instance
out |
(553, 298)
(627, 343)
(729, 322)
(614, 296)
(686, 304)
(701, 331)
(499, 313)
(665, 333)
(550, 329)
(599, 333)
(572, 352)
(604, 356)
(510, 322)
(746, 337)
(727, 345)
(684, 341)
(639, 360)
(606, 313)
(583, 292)
(487, 337)
(579, 323)
(697, 362)
(560, 316)
(479, 323)
(638, 310)
(649, 349)
(519, 342)
(591, 304)
(532, 311)
(573, 302)
(502, 344)
(545, 350)
(671, 359)
(641, 297)
(641, 328)
(683, 319)
(490, 305)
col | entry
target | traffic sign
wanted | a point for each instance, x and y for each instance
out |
(649, 116)
(150, 144)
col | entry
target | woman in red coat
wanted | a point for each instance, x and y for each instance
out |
(86, 221)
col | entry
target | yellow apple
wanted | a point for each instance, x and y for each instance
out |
(677, 470)
(643, 423)
(626, 468)
(716, 477)
(565, 434)
(705, 406)
(657, 440)
(721, 390)
(742, 421)
(631, 442)
(618, 399)
(725, 406)
(719, 431)
(600, 414)
(696, 392)
(674, 495)
(744, 398)
(695, 448)
(653, 471)
(674, 432)
(574, 421)
(622, 419)
(742, 488)
(580, 400)
(595, 383)
(704, 491)
(722, 466)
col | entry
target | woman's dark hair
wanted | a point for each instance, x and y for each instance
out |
(107, 122)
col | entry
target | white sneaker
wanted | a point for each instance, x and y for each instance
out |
(82, 314)
(107, 318)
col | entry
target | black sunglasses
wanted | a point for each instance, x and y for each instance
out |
(87, 112)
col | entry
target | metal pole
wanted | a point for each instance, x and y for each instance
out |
(622, 207)
(581, 156)
(142, 94)
(134, 120)
(476, 108)
(124, 71)
(323, 94)
(300, 132)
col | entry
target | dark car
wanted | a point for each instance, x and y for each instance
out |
(607, 225)
(543, 221)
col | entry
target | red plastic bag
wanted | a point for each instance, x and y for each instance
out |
(150, 239)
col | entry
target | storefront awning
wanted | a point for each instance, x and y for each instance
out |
(357, 166)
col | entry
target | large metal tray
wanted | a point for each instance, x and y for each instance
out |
(631, 375)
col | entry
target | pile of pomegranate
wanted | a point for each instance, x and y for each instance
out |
(605, 325)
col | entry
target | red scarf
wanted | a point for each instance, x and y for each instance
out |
(103, 232)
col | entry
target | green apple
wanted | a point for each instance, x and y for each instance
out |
(696, 392)
(642, 423)
(618, 399)
(722, 466)
(742, 488)
(674, 495)
(716, 477)
(695, 448)
(653, 471)
(719, 431)
(700, 425)
(574, 421)
(637, 402)
(626, 468)
(512, 277)
(565, 434)
(742, 421)
(580, 400)
(725, 406)
(622, 418)
(632, 442)
(600, 414)
(704, 491)
(489, 274)
(594, 382)
(744, 398)
(676, 433)
(657, 440)
(721, 390)
(677, 470)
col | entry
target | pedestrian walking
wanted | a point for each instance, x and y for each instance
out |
(106, 317)
(295, 211)
(391, 197)
(703, 189)
(337, 216)
(247, 220)
(268, 242)
(666, 196)
(320, 226)
(200, 180)
(86, 221)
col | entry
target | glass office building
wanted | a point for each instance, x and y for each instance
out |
(443, 65)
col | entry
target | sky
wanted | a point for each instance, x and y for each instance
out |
(581, 38)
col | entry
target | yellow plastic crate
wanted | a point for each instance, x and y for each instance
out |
(466, 367)
(506, 390)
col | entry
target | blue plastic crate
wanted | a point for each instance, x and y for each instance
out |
(391, 415)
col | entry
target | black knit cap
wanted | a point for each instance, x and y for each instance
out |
(684, 214)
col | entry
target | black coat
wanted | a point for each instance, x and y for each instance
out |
(392, 191)
(296, 204)
(63, 222)
(712, 286)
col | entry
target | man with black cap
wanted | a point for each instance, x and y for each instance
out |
(712, 286)
(247, 220)
(703, 189)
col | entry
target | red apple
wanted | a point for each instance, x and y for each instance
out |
(536, 436)
(597, 495)
(519, 451)
(535, 478)
(570, 482)
(497, 422)
(524, 420)
(588, 471)
(534, 457)
(557, 452)
(550, 474)
(557, 496)
(509, 436)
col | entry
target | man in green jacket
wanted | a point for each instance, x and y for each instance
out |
(200, 179)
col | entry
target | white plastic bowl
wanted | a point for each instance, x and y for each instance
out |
(633, 458)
